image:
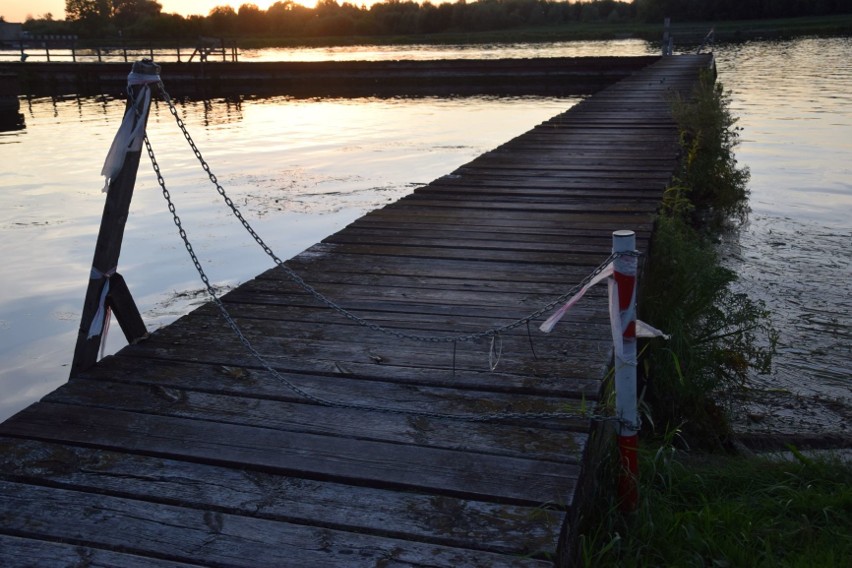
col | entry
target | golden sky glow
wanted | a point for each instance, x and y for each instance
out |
(18, 10)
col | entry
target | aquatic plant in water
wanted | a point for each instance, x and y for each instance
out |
(719, 337)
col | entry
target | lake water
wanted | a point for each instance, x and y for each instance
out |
(794, 100)
(302, 169)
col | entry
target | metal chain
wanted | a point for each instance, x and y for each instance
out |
(493, 333)
(299, 281)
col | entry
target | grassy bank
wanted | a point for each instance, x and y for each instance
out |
(702, 504)
(727, 511)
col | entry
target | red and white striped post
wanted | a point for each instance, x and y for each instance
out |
(626, 406)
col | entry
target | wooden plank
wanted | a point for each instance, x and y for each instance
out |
(519, 299)
(461, 474)
(328, 255)
(287, 412)
(248, 377)
(21, 552)
(179, 534)
(474, 216)
(312, 356)
(421, 517)
(473, 255)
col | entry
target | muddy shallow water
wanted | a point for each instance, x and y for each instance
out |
(794, 100)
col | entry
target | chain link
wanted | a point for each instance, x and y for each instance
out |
(493, 333)
(300, 282)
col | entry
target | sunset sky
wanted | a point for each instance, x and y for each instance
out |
(18, 10)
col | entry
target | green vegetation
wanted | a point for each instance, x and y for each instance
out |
(727, 511)
(719, 337)
(332, 23)
(708, 506)
(710, 188)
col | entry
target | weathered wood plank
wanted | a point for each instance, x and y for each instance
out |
(417, 516)
(522, 299)
(550, 358)
(355, 271)
(327, 257)
(461, 474)
(473, 216)
(316, 356)
(20, 552)
(125, 365)
(291, 413)
(180, 534)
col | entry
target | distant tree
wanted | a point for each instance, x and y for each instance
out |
(434, 19)
(163, 26)
(288, 18)
(89, 17)
(47, 25)
(251, 20)
(651, 10)
(222, 20)
(82, 10)
(126, 13)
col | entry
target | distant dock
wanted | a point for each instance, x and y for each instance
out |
(182, 450)
(558, 76)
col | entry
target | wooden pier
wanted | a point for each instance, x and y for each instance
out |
(183, 450)
(551, 76)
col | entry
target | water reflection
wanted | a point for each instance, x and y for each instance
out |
(397, 52)
(299, 169)
(793, 99)
(11, 121)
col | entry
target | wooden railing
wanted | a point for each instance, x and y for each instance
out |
(70, 48)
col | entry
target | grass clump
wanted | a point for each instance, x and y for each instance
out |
(716, 508)
(710, 189)
(722, 510)
(718, 337)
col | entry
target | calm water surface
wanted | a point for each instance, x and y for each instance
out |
(302, 169)
(794, 100)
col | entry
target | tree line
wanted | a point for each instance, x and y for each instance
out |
(145, 19)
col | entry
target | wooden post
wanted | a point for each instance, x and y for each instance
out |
(667, 39)
(626, 406)
(126, 313)
(107, 251)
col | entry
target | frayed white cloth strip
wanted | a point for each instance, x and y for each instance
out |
(618, 323)
(132, 130)
(551, 322)
(97, 326)
(645, 330)
(134, 79)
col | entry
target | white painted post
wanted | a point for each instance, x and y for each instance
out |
(626, 406)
